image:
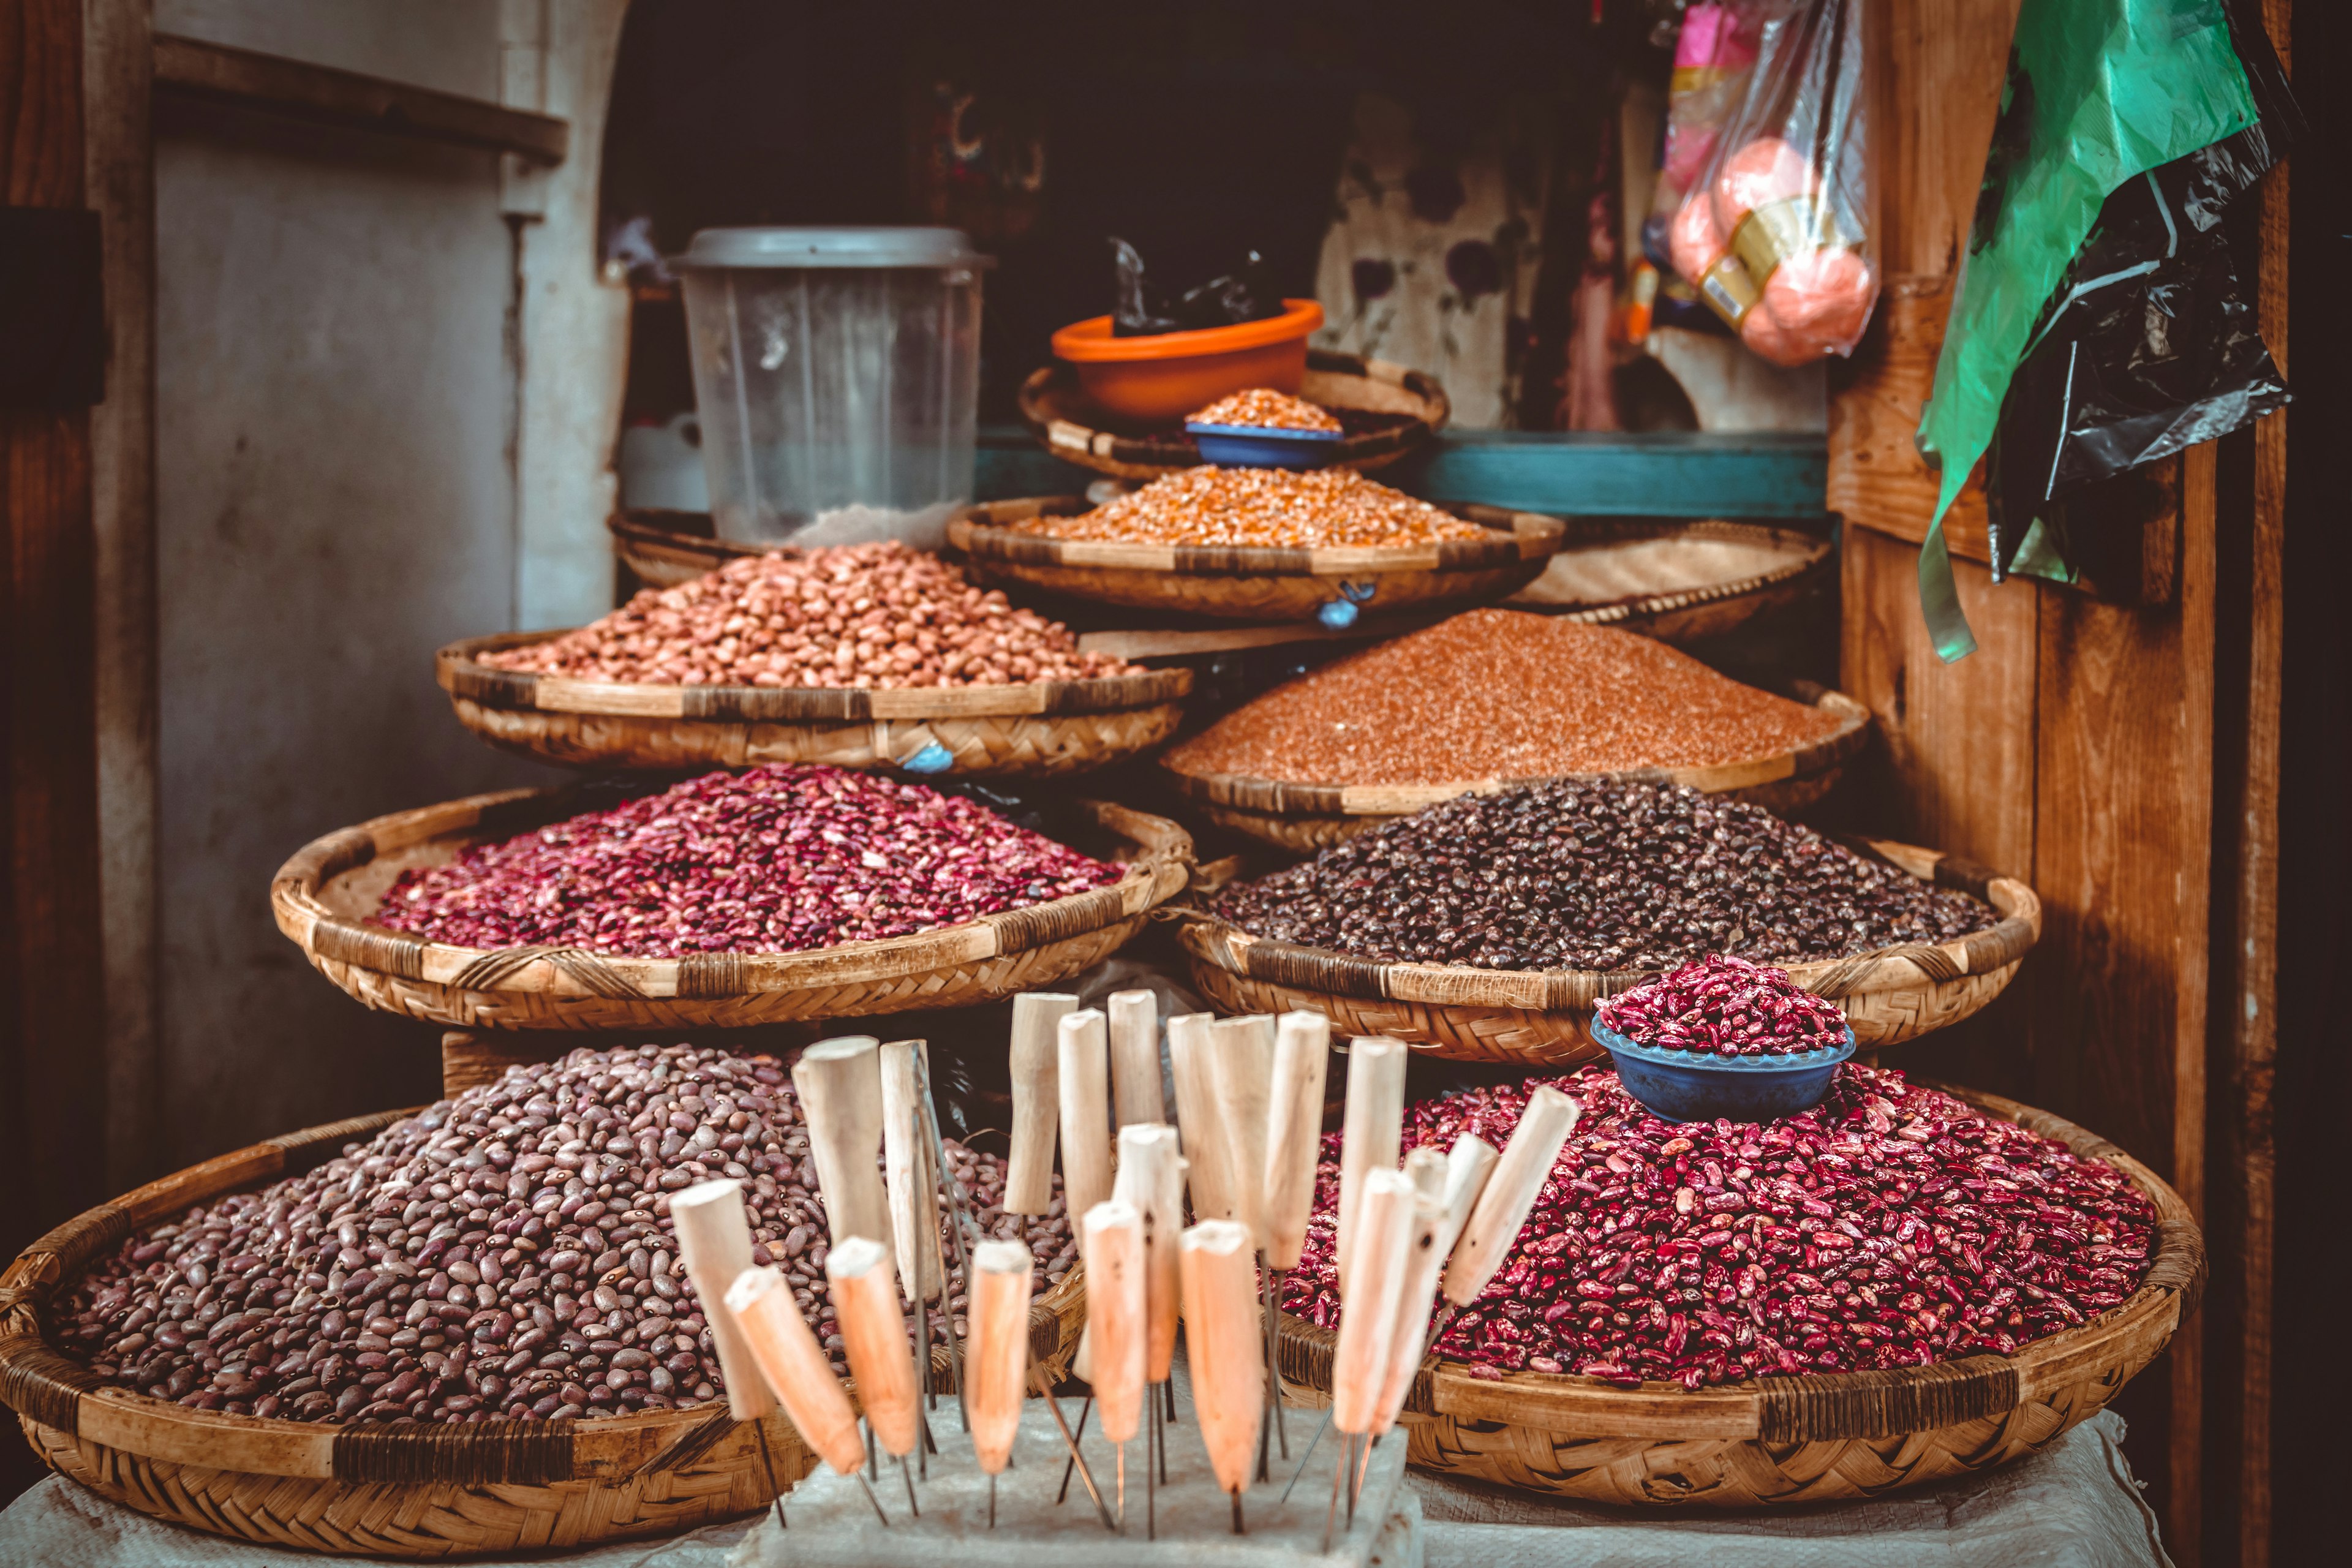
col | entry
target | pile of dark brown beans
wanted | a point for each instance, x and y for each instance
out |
(1596, 874)
(503, 1254)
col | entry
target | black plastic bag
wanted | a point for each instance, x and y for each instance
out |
(2150, 343)
(1140, 309)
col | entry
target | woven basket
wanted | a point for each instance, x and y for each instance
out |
(325, 896)
(1541, 1017)
(1389, 411)
(1680, 582)
(1250, 583)
(1305, 818)
(374, 1490)
(987, 732)
(663, 548)
(1793, 1439)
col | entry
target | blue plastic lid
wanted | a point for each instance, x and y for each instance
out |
(895, 246)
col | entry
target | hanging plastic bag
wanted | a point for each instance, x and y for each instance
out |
(1141, 309)
(2150, 344)
(1775, 231)
(2100, 92)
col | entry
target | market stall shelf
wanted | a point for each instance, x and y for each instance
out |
(1680, 582)
(1251, 583)
(1779, 1440)
(1032, 729)
(376, 1491)
(1385, 409)
(1304, 818)
(1542, 1017)
(325, 896)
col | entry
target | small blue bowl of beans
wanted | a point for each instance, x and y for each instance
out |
(1678, 1085)
(1262, 446)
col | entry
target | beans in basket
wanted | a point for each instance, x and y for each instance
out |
(1266, 409)
(1889, 1226)
(505, 1254)
(1317, 508)
(1596, 874)
(867, 617)
(779, 858)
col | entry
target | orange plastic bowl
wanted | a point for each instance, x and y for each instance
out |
(1168, 376)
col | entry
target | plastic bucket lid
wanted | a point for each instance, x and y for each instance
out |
(845, 247)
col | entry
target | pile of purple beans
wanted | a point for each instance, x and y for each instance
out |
(1889, 1226)
(1725, 1006)
(1596, 874)
(504, 1255)
(780, 858)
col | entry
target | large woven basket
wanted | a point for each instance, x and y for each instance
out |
(1255, 584)
(1681, 581)
(662, 548)
(376, 1490)
(991, 732)
(324, 899)
(1386, 409)
(1304, 818)
(1542, 1017)
(1793, 1439)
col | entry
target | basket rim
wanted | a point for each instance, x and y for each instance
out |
(1051, 393)
(1837, 1407)
(1814, 554)
(458, 671)
(980, 531)
(304, 917)
(1215, 941)
(44, 1385)
(1280, 797)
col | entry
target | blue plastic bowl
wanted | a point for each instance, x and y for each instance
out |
(1685, 1086)
(1258, 446)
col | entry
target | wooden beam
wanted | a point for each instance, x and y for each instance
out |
(306, 91)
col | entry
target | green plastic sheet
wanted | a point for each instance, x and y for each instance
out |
(2099, 92)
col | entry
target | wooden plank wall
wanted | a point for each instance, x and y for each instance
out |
(2078, 747)
(52, 996)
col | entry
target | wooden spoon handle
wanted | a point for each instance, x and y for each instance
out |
(1373, 1129)
(907, 1168)
(1223, 1346)
(795, 1367)
(1083, 1078)
(1502, 1208)
(714, 1239)
(1294, 1135)
(840, 1085)
(996, 1358)
(1034, 1059)
(1134, 1058)
(874, 1337)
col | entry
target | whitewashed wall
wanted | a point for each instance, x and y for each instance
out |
(352, 471)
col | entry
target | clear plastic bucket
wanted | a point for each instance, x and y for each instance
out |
(837, 375)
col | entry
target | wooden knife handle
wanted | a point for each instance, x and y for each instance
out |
(840, 1086)
(1468, 1165)
(1112, 1244)
(1423, 1263)
(1225, 1348)
(714, 1239)
(874, 1336)
(1359, 1362)
(1196, 1116)
(1373, 1129)
(1034, 1059)
(913, 1185)
(996, 1354)
(1083, 1075)
(1294, 1139)
(1134, 1058)
(1151, 1177)
(1502, 1208)
(1241, 1070)
(795, 1367)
